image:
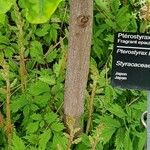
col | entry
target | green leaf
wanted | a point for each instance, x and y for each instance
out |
(102, 4)
(5, 5)
(115, 5)
(32, 127)
(48, 79)
(57, 126)
(107, 134)
(50, 117)
(109, 94)
(18, 103)
(51, 56)
(32, 138)
(38, 88)
(142, 140)
(4, 40)
(40, 11)
(43, 30)
(108, 121)
(36, 117)
(110, 126)
(42, 100)
(102, 79)
(119, 138)
(122, 12)
(57, 67)
(59, 140)
(85, 140)
(2, 19)
(123, 18)
(9, 51)
(36, 52)
(140, 105)
(17, 143)
(33, 107)
(43, 139)
(53, 32)
(117, 110)
(127, 141)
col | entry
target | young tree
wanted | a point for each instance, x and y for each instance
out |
(80, 32)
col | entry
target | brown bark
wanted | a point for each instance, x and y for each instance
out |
(80, 32)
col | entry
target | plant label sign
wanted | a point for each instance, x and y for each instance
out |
(131, 61)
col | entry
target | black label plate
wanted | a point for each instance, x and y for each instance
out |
(131, 61)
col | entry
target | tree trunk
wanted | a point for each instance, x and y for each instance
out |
(80, 33)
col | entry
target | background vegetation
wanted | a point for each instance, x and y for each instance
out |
(33, 84)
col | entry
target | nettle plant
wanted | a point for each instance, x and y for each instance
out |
(33, 52)
(29, 86)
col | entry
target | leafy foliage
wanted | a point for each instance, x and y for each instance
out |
(40, 11)
(37, 112)
(36, 11)
(5, 5)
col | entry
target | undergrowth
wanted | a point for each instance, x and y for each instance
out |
(32, 74)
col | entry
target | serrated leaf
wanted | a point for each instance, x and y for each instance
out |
(123, 18)
(102, 79)
(122, 12)
(57, 68)
(17, 143)
(18, 103)
(119, 138)
(48, 79)
(9, 51)
(32, 127)
(110, 127)
(85, 139)
(59, 140)
(107, 134)
(36, 117)
(32, 138)
(140, 105)
(50, 117)
(40, 11)
(33, 107)
(43, 30)
(102, 4)
(109, 94)
(38, 88)
(36, 52)
(43, 139)
(115, 5)
(14, 83)
(42, 100)
(53, 32)
(57, 127)
(42, 123)
(142, 140)
(51, 56)
(4, 40)
(117, 110)
(108, 121)
(127, 141)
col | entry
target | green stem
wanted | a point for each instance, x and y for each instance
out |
(8, 127)
(91, 103)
